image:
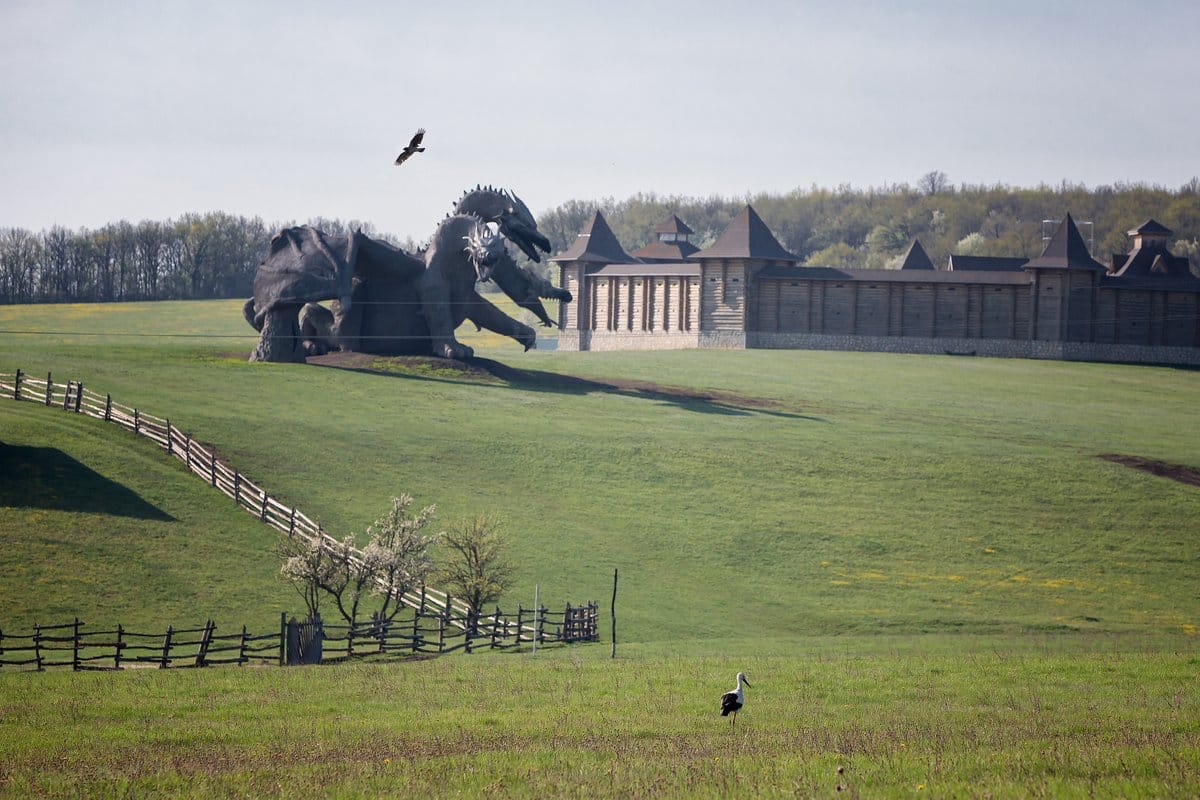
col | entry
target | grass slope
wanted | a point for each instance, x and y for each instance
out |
(820, 493)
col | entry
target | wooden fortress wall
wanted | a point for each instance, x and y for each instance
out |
(1050, 314)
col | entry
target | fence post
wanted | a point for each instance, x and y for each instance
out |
(541, 625)
(108, 408)
(495, 626)
(441, 633)
(137, 423)
(242, 649)
(349, 641)
(263, 515)
(78, 395)
(187, 452)
(282, 637)
(75, 646)
(49, 384)
(205, 640)
(293, 642)
(422, 608)
(237, 488)
(212, 467)
(520, 621)
(166, 653)
(37, 646)
(17, 386)
(67, 396)
(120, 646)
(469, 632)
(168, 445)
(292, 523)
(416, 635)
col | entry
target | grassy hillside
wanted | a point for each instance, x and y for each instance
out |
(760, 497)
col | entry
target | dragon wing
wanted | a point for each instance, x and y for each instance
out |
(304, 265)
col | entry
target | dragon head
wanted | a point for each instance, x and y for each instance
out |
(526, 288)
(510, 213)
(484, 249)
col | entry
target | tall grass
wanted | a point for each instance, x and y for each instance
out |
(906, 724)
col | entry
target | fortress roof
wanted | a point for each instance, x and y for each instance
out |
(959, 263)
(673, 225)
(1151, 228)
(916, 257)
(595, 244)
(1066, 250)
(747, 236)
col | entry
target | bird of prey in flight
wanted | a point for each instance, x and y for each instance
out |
(414, 146)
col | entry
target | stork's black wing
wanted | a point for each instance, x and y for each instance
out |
(729, 702)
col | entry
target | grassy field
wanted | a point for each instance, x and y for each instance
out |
(907, 724)
(822, 493)
(922, 563)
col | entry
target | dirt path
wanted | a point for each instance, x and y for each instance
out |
(1176, 472)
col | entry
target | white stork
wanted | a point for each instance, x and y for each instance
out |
(732, 701)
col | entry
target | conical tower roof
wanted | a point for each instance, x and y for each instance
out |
(916, 257)
(595, 244)
(747, 236)
(1151, 227)
(673, 225)
(1066, 250)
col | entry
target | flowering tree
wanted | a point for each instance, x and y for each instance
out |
(399, 549)
(395, 560)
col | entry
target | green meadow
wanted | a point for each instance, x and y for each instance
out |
(927, 571)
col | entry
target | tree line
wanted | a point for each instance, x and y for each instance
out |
(216, 254)
(871, 227)
(196, 256)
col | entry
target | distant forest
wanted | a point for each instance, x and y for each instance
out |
(215, 255)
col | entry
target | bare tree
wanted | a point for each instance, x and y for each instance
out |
(932, 183)
(477, 570)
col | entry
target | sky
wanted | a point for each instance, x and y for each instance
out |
(294, 110)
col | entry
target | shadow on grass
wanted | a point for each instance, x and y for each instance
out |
(43, 477)
(485, 372)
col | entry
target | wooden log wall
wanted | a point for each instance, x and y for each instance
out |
(892, 308)
(723, 295)
(642, 304)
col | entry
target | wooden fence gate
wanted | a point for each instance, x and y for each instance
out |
(304, 641)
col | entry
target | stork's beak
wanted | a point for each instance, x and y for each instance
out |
(745, 681)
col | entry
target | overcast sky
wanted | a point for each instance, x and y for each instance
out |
(132, 110)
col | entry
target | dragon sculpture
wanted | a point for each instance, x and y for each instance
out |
(389, 302)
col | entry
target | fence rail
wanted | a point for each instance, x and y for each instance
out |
(202, 460)
(417, 632)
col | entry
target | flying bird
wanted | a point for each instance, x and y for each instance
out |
(414, 146)
(732, 701)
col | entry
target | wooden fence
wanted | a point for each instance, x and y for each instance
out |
(70, 645)
(419, 632)
(202, 460)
